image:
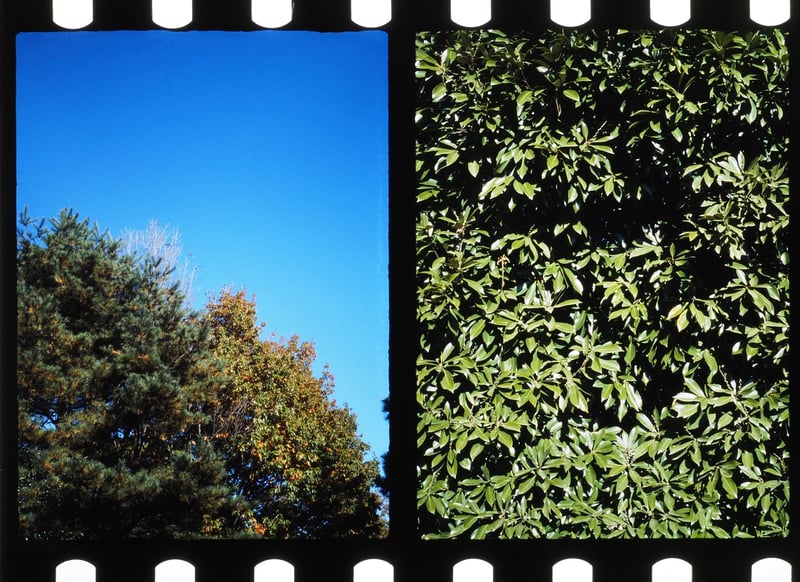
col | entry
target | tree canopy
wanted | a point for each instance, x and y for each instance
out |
(289, 449)
(112, 374)
(602, 284)
(140, 418)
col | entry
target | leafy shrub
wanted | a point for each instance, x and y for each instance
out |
(602, 284)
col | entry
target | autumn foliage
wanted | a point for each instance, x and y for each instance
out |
(289, 449)
(138, 418)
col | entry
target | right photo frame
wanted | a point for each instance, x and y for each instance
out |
(602, 284)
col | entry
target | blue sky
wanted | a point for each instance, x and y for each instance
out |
(267, 150)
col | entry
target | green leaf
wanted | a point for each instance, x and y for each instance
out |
(683, 320)
(475, 450)
(477, 328)
(685, 410)
(685, 396)
(676, 310)
(564, 327)
(572, 94)
(711, 362)
(701, 318)
(602, 148)
(527, 485)
(645, 421)
(574, 281)
(505, 439)
(633, 397)
(608, 348)
(612, 365)
(523, 98)
(475, 286)
(693, 386)
(528, 190)
(448, 382)
(728, 484)
(644, 249)
(576, 398)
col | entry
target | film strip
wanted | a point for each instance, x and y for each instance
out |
(76, 15)
(403, 555)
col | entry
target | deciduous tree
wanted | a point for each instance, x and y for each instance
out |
(290, 450)
(162, 242)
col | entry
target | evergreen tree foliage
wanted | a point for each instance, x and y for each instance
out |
(290, 450)
(112, 373)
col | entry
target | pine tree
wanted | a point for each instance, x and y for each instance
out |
(113, 374)
(290, 450)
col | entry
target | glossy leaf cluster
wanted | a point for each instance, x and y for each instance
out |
(602, 284)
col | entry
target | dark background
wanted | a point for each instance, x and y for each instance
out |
(621, 561)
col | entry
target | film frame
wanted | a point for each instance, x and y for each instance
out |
(410, 557)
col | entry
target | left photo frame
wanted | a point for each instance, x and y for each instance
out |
(202, 284)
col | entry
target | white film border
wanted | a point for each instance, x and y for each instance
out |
(469, 570)
(176, 14)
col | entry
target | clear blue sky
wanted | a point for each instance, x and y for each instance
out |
(267, 150)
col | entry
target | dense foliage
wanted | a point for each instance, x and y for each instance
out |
(138, 418)
(602, 284)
